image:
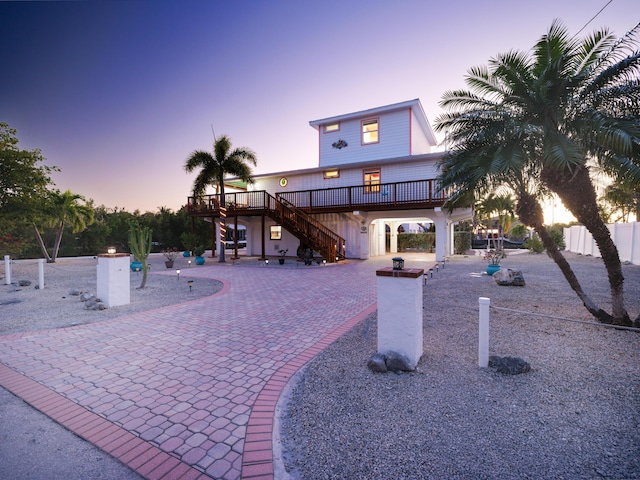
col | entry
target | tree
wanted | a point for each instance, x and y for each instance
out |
(501, 205)
(554, 112)
(623, 199)
(140, 245)
(60, 210)
(213, 170)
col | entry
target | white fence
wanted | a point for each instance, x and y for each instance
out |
(626, 236)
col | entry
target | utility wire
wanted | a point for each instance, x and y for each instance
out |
(593, 18)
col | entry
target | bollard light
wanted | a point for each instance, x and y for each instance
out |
(190, 283)
(189, 262)
(398, 263)
(324, 262)
(266, 261)
(178, 273)
(111, 250)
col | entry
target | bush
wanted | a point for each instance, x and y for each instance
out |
(556, 232)
(534, 244)
(461, 242)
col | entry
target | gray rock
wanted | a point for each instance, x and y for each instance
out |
(76, 292)
(86, 297)
(508, 277)
(398, 363)
(509, 365)
(24, 283)
(377, 364)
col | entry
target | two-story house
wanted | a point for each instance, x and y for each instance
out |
(376, 170)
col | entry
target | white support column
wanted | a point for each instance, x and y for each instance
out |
(114, 279)
(393, 244)
(40, 273)
(483, 333)
(7, 270)
(442, 236)
(400, 312)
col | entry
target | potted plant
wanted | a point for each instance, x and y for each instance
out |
(199, 252)
(493, 258)
(170, 254)
(282, 254)
(308, 256)
(189, 240)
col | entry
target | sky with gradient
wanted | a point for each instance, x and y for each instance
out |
(119, 93)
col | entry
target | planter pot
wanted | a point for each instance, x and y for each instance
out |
(168, 263)
(199, 260)
(308, 262)
(281, 261)
(136, 266)
(186, 253)
(491, 269)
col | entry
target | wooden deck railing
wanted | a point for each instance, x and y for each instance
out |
(386, 196)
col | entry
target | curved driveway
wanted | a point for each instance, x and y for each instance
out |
(189, 391)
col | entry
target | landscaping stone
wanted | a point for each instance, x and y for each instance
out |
(24, 283)
(508, 277)
(509, 365)
(398, 363)
(377, 364)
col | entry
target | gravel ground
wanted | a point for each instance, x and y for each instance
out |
(27, 309)
(575, 415)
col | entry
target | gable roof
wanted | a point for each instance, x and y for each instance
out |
(414, 104)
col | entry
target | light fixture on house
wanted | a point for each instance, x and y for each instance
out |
(111, 250)
(398, 263)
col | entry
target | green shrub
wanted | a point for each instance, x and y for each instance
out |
(461, 242)
(534, 244)
(556, 232)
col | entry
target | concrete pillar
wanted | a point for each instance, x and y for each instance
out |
(40, 273)
(400, 312)
(442, 236)
(364, 241)
(7, 270)
(393, 244)
(114, 279)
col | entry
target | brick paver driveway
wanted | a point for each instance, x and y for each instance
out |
(189, 391)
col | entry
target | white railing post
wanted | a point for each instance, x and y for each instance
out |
(483, 333)
(40, 273)
(7, 270)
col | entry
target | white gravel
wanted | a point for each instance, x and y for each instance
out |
(576, 415)
(28, 309)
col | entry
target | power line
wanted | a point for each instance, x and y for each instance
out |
(593, 18)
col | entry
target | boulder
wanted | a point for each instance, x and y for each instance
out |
(86, 297)
(508, 277)
(509, 365)
(397, 362)
(76, 292)
(24, 283)
(377, 364)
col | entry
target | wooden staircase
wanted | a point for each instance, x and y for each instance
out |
(308, 230)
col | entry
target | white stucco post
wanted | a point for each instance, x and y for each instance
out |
(400, 312)
(442, 232)
(114, 279)
(7, 270)
(393, 237)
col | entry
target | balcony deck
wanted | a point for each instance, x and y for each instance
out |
(413, 195)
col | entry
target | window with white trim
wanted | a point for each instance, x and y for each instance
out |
(371, 180)
(370, 131)
(332, 127)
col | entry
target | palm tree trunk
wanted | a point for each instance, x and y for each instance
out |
(530, 212)
(42, 245)
(578, 195)
(56, 246)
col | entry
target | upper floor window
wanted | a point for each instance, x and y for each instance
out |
(332, 127)
(371, 180)
(370, 130)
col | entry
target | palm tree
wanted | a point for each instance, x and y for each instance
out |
(555, 112)
(213, 170)
(62, 209)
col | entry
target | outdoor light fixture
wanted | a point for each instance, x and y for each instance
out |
(398, 263)
(178, 273)
(190, 283)
(266, 261)
(189, 262)
(111, 250)
(324, 261)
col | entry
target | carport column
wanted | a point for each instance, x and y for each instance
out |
(114, 279)
(400, 312)
(7, 270)
(393, 237)
(442, 233)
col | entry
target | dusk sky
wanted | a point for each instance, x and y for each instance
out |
(118, 93)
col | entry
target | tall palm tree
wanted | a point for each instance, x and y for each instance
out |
(213, 170)
(61, 210)
(556, 111)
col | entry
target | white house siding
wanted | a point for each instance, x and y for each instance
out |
(393, 139)
(419, 142)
